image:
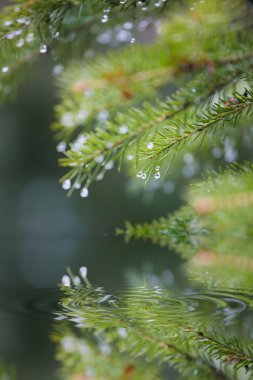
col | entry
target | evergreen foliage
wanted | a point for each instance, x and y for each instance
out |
(141, 106)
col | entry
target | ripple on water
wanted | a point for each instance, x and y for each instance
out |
(31, 305)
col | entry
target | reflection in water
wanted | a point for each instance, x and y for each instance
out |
(139, 332)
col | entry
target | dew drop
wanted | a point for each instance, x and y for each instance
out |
(99, 159)
(109, 145)
(157, 175)
(10, 35)
(7, 23)
(150, 145)
(100, 176)
(132, 41)
(109, 165)
(66, 280)
(84, 192)
(104, 19)
(157, 168)
(123, 129)
(30, 37)
(61, 146)
(43, 48)
(123, 1)
(20, 43)
(66, 184)
(83, 272)
(130, 157)
(144, 176)
(5, 69)
(139, 174)
(58, 69)
(77, 185)
(122, 332)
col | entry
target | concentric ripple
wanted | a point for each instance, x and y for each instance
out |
(29, 304)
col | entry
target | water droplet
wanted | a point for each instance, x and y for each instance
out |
(109, 165)
(109, 145)
(67, 120)
(7, 23)
(66, 280)
(99, 159)
(20, 43)
(5, 69)
(123, 35)
(128, 25)
(61, 146)
(139, 174)
(150, 145)
(157, 175)
(105, 349)
(82, 115)
(84, 192)
(77, 185)
(130, 157)
(132, 41)
(43, 48)
(66, 185)
(122, 332)
(104, 19)
(144, 176)
(21, 20)
(157, 168)
(100, 176)
(27, 20)
(58, 69)
(123, 1)
(107, 10)
(18, 32)
(123, 129)
(194, 90)
(30, 37)
(10, 35)
(83, 272)
(103, 115)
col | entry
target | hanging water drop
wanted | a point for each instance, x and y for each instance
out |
(109, 165)
(5, 69)
(66, 280)
(84, 192)
(61, 146)
(104, 19)
(157, 168)
(20, 43)
(144, 176)
(83, 272)
(157, 175)
(77, 185)
(43, 48)
(150, 145)
(139, 174)
(132, 41)
(66, 184)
